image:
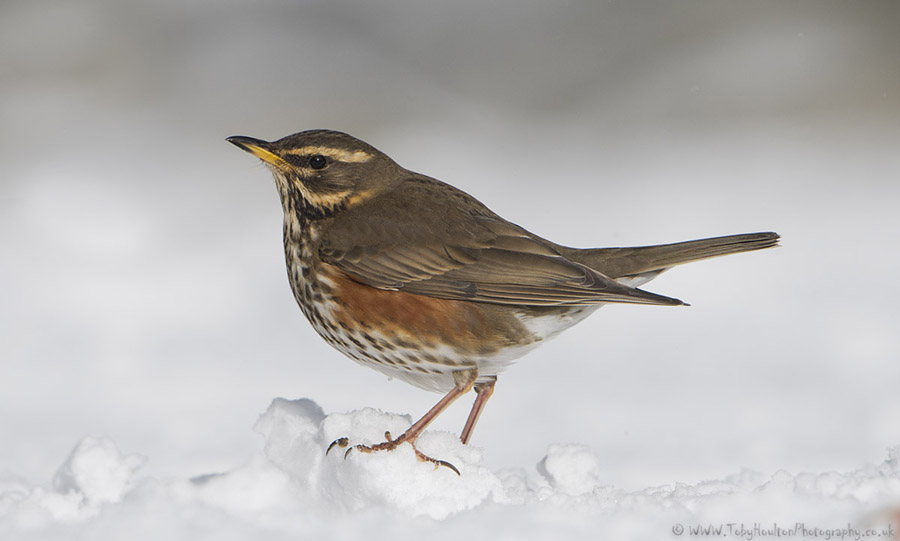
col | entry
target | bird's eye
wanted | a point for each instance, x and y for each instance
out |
(318, 161)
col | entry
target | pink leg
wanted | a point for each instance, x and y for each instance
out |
(464, 382)
(483, 392)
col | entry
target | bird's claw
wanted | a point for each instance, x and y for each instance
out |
(340, 442)
(388, 445)
(437, 463)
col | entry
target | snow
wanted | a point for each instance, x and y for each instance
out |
(144, 298)
(97, 471)
(291, 488)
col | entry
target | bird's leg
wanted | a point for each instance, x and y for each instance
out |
(483, 392)
(463, 382)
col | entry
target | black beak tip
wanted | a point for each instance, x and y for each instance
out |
(245, 143)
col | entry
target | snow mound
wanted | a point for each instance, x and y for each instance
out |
(297, 432)
(97, 472)
(571, 469)
(291, 487)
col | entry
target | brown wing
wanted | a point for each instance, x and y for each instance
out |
(633, 261)
(429, 238)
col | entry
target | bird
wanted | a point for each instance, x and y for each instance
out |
(419, 280)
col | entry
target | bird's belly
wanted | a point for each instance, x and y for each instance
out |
(423, 340)
(430, 364)
(418, 339)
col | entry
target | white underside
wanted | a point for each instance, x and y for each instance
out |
(439, 376)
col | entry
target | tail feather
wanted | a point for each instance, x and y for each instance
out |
(629, 262)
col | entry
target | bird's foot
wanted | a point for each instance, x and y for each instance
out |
(388, 445)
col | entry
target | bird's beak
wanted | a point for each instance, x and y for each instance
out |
(257, 147)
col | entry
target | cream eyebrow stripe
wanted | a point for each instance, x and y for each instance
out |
(357, 156)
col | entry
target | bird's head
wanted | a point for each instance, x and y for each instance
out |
(322, 171)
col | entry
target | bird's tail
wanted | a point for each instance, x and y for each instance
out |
(624, 263)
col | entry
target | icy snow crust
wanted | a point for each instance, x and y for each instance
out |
(291, 488)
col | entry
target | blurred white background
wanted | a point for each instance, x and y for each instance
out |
(142, 287)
